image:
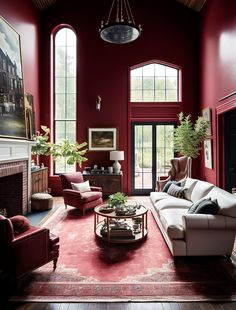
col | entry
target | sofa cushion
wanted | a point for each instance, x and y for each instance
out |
(172, 222)
(172, 202)
(20, 224)
(226, 201)
(176, 191)
(168, 184)
(200, 190)
(189, 185)
(156, 196)
(205, 206)
(195, 205)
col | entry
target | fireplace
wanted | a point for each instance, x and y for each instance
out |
(15, 159)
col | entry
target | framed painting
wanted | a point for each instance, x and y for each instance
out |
(206, 113)
(12, 110)
(208, 153)
(102, 139)
(29, 115)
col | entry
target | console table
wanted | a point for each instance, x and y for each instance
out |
(109, 182)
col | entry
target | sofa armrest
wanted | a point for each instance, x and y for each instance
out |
(208, 222)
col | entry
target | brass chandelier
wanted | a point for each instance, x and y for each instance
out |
(120, 27)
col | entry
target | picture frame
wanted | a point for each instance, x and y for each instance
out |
(208, 153)
(12, 110)
(30, 115)
(206, 113)
(102, 139)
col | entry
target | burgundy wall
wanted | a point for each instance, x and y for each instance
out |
(23, 17)
(218, 74)
(170, 34)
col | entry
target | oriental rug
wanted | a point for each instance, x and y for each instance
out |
(93, 270)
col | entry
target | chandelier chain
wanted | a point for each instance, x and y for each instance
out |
(129, 10)
(109, 15)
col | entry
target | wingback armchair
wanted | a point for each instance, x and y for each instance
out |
(25, 248)
(75, 198)
(179, 171)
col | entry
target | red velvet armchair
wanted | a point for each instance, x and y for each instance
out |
(81, 200)
(25, 250)
(179, 171)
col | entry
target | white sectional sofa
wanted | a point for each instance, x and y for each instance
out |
(196, 234)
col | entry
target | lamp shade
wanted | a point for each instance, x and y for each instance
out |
(117, 155)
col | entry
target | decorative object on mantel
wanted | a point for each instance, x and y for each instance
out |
(98, 103)
(12, 109)
(122, 29)
(188, 137)
(117, 155)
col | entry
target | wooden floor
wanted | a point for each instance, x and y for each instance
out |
(122, 306)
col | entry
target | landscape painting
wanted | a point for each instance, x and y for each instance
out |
(12, 110)
(102, 139)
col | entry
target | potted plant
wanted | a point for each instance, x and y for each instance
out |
(72, 151)
(188, 137)
(117, 199)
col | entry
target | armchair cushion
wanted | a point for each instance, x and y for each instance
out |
(81, 187)
(90, 196)
(20, 224)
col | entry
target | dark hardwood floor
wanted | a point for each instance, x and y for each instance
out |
(123, 306)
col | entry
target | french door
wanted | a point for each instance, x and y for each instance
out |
(152, 149)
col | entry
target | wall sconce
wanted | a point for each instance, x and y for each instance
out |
(98, 103)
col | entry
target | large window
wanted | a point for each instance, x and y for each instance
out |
(64, 91)
(154, 83)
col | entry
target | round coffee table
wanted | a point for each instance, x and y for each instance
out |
(120, 228)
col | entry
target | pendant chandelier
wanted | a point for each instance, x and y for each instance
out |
(120, 27)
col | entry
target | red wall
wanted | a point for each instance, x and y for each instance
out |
(218, 69)
(23, 17)
(170, 34)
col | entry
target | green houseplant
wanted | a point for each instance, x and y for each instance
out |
(72, 151)
(117, 199)
(188, 137)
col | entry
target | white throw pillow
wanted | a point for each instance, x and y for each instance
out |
(81, 187)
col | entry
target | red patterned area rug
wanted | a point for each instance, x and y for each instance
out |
(93, 270)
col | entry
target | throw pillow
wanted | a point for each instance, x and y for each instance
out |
(176, 191)
(168, 184)
(20, 224)
(81, 187)
(208, 207)
(195, 205)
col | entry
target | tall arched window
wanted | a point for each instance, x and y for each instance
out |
(65, 80)
(154, 82)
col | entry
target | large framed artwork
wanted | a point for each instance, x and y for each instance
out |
(208, 153)
(12, 109)
(102, 139)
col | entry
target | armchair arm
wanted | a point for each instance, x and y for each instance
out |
(161, 183)
(208, 222)
(96, 188)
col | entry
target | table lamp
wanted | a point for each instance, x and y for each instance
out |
(116, 155)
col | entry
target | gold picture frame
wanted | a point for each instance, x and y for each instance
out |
(102, 139)
(206, 113)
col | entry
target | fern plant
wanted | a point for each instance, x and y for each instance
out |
(188, 137)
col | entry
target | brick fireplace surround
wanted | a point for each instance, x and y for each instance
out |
(15, 159)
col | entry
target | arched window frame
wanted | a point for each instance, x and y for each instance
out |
(54, 120)
(162, 63)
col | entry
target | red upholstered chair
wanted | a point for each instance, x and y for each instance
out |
(77, 199)
(179, 171)
(25, 248)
